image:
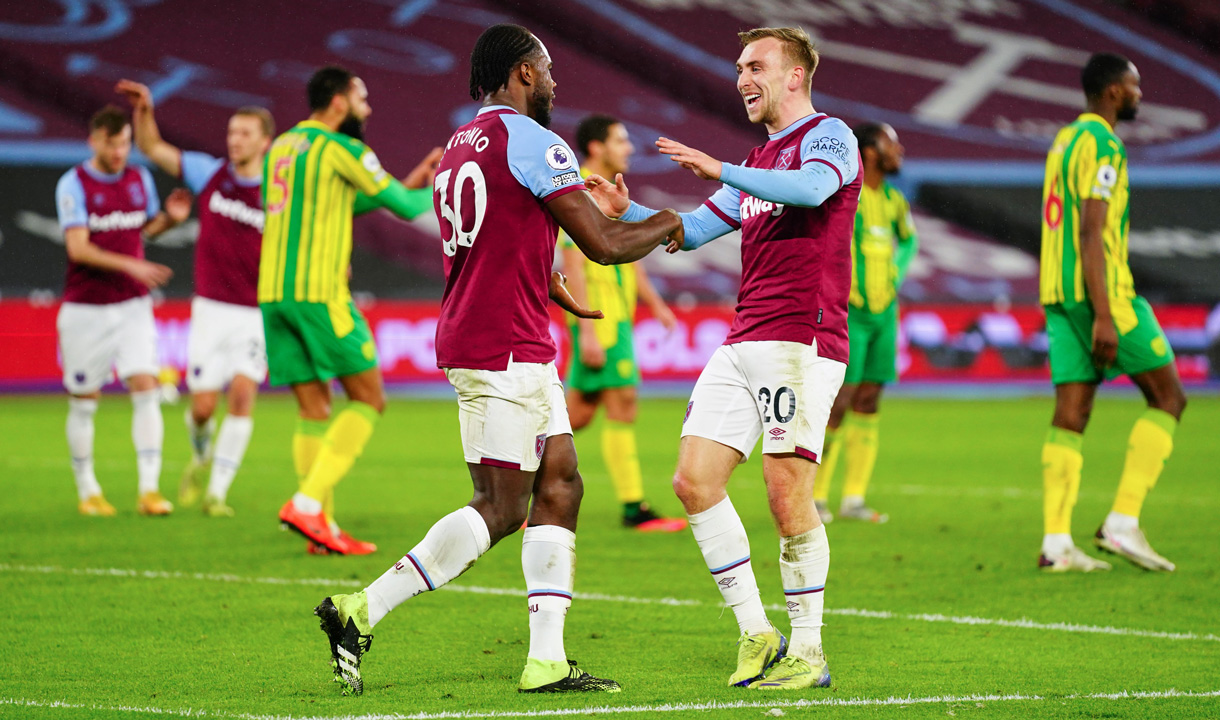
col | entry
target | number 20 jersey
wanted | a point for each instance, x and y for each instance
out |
(490, 193)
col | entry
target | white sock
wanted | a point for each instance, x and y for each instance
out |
(1118, 522)
(726, 550)
(448, 550)
(200, 436)
(148, 433)
(804, 561)
(306, 504)
(80, 444)
(231, 445)
(1056, 544)
(548, 559)
(851, 502)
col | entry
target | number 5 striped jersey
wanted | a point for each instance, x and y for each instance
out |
(310, 180)
(1087, 161)
(491, 189)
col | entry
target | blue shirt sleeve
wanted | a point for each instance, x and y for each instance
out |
(70, 201)
(538, 158)
(829, 160)
(150, 190)
(198, 168)
(719, 215)
(832, 144)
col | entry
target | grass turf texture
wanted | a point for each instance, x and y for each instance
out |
(960, 480)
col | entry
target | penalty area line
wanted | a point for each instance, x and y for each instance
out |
(1021, 624)
(626, 709)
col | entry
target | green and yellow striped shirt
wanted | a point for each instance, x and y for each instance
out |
(1086, 161)
(311, 177)
(883, 227)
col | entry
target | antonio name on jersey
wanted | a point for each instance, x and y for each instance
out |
(117, 220)
(235, 210)
(753, 207)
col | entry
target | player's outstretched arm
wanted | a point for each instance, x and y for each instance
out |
(809, 186)
(612, 242)
(177, 210)
(147, 135)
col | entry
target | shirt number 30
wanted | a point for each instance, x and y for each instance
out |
(469, 173)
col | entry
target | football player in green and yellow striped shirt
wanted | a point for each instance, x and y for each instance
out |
(315, 177)
(1096, 326)
(603, 370)
(882, 246)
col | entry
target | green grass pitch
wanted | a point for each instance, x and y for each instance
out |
(126, 617)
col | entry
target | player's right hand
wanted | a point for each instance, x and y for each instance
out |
(151, 274)
(676, 238)
(423, 174)
(612, 199)
(1105, 342)
(137, 94)
(592, 354)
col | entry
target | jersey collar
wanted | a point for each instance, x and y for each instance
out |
(795, 124)
(101, 176)
(315, 125)
(1094, 117)
(497, 108)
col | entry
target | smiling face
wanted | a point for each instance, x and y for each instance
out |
(765, 76)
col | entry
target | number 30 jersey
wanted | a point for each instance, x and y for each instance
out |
(490, 192)
(1086, 162)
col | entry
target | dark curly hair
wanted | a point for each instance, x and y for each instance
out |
(497, 51)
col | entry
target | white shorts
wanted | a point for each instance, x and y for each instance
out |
(779, 391)
(507, 415)
(225, 340)
(97, 341)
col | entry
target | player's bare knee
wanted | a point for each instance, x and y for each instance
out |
(695, 496)
(1172, 401)
(203, 406)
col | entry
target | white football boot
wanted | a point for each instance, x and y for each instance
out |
(1131, 544)
(1072, 560)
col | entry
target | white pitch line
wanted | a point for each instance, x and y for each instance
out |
(629, 709)
(1022, 623)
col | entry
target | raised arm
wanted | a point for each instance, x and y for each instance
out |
(376, 189)
(147, 135)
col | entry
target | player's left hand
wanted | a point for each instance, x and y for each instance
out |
(559, 293)
(611, 198)
(178, 205)
(704, 166)
(425, 171)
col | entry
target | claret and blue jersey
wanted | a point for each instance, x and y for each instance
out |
(491, 188)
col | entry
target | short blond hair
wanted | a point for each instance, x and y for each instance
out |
(798, 46)
(263, 115)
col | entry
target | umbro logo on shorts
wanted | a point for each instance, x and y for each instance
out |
(776, 433)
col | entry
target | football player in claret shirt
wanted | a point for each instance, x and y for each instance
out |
(1097, 327)
(225, 346)
(776, 376)
(106, 210)
(503, 189)
(315, 177)
(883, 244)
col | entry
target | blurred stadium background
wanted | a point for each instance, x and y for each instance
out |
(975, 89)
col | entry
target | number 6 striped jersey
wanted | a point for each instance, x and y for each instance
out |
(1086, 161)
(492, 185)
